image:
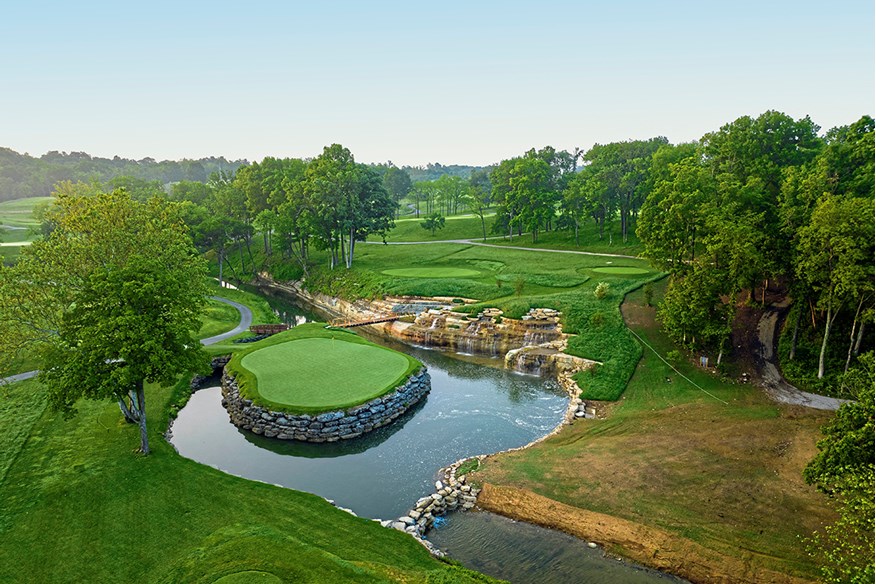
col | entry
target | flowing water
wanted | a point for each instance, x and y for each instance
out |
(474, 408)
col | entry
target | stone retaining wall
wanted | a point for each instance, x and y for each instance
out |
(329, 426)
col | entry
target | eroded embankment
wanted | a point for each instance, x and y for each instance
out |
(647, 545)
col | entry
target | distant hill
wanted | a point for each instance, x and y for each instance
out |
(23, 176)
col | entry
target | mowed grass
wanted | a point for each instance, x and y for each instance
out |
(432, 272)
(455, 227)
(324, 374)
(339, 370)
(18, 224)
(19, 212)
(77, 505)
(668, 455)
(469, 227)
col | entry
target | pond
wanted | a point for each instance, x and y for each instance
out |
(474, 408)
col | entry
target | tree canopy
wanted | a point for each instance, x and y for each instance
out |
(107, 302)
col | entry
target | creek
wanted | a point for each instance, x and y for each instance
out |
(474, 407)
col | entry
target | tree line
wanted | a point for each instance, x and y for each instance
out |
(23, 176)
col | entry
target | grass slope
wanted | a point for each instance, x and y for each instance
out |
(349, 386)
(320, 374)
(76, 505)
(727, 476)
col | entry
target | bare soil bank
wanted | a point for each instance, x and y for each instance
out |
(646, 545)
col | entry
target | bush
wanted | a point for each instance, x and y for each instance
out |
(601, 290)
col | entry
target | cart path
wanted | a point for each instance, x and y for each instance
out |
(773, 382)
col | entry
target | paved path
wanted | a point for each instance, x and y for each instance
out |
(774, 384)
(245, 321)
(482, 244)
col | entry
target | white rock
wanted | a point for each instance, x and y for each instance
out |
(590, 544)
(438, 485)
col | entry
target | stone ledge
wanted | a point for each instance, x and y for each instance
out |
(328, 426)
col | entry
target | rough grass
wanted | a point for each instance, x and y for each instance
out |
(319, 374)
(342, 375)
(726, 475)
(77, 505)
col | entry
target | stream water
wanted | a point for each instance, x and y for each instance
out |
(473, 408)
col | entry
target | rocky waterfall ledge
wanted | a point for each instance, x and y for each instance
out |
(328, 426)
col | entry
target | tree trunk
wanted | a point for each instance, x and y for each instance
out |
(794, 334)
(352, 244)
(130, 417)
(137, 413)
(827, 324)
(852, 334)
(484, 226)
(576, 234)
(221, 262)
(857, 348)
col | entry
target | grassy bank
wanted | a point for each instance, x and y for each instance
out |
(77, 505)
(723, 471)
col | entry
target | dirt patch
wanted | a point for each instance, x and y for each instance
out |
(647, 545)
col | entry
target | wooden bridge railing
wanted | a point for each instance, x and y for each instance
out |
(349, 323)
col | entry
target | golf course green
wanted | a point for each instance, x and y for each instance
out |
(431, 272)
(311, 369)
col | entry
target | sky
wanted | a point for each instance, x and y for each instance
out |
(417, 82)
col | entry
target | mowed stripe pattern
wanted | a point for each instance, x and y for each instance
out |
(324, 373)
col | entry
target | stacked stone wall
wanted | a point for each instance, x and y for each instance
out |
(328, 426)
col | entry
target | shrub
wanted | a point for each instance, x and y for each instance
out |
(601, 290)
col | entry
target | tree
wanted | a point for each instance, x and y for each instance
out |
(843, 469)
(108, 302)
(397, 183)
(836, 257)
(433, 222)
(348, 203)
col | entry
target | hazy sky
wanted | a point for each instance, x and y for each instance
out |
(417, 82)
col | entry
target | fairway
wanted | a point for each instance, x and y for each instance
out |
(324, 373)
(620, 270)
(432, 272)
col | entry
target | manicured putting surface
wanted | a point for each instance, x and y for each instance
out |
(432, 272)
(620, 270)
(324, 373)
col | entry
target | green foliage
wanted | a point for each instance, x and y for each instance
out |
(433, 222)
(470, 465)
(108, 302)
(649, 294)
(601, 290)
(843, 468)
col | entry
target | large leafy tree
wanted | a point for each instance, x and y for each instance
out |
(843, 469)
(107, 302)
(836, 257)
